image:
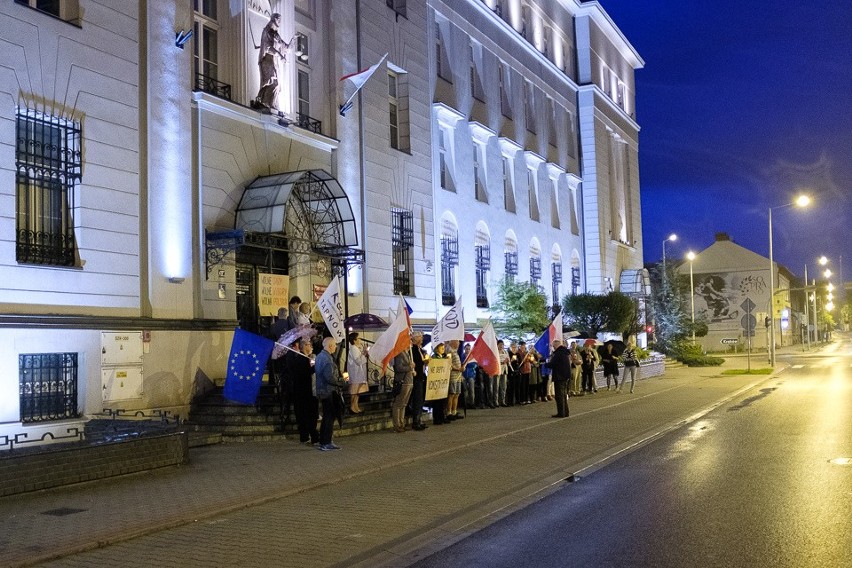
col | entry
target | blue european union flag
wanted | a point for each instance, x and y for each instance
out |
(543, 343)
(246, 364)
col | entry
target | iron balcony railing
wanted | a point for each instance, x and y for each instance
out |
(308, 123)
(210, 85)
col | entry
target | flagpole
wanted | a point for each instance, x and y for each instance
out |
(288, 348)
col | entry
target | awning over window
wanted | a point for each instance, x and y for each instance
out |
(314, 196)
(635, 282)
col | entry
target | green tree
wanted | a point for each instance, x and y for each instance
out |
(671, 314)
(594, 313)
(520, 309)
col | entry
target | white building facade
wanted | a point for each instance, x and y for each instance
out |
(148, 206)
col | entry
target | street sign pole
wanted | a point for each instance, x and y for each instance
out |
(748, 322)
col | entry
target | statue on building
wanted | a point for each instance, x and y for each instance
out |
(272, 51)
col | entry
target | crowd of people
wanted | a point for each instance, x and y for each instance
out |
(526, 377)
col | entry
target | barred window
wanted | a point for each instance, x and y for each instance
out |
(535, 269)
(48, 386)
(48, 166)
(575, 280)
(483, 265)
(402, 245)
(511, 258)
(556, 269)
(449, 261)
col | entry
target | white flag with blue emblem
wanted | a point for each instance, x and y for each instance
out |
(246, 365)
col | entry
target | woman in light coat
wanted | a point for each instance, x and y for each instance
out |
(357, 367)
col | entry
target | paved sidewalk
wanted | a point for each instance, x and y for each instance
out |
(376, 500)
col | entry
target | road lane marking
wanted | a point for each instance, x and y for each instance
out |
(798, 366)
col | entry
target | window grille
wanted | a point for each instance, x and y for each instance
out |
(556, 269)
(402, 245)
(535, 269)
(48, 386)
(449, 261)
(511, 258)
(575, 280)
(483, 265)
(48, 165)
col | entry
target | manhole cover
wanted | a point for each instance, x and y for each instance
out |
(63, 511)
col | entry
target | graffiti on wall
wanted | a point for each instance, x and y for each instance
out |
(718, 296)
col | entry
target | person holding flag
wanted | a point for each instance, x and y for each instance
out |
(560, 370)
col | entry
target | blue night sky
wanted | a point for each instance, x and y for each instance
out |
(740, 104)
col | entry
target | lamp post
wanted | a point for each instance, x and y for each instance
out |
(801, 201)
(672, 237)
(690, 256)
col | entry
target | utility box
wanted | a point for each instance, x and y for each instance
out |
(121, 383)
(121, 365)
(121, 348)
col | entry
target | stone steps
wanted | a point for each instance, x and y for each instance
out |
(212, 419)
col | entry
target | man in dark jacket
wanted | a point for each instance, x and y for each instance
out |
(560, 367)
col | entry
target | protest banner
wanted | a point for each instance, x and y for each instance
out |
(438, 379)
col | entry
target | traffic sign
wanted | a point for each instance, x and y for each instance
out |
(730, 340)
(748, 305)
(748, 322)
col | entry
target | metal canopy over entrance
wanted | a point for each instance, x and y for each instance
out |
(635, 282)
(308, 206)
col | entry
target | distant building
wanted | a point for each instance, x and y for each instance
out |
(727, 279)
(149, 204)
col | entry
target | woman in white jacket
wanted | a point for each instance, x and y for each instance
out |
(357, 367)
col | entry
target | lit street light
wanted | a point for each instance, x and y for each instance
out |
(827, 273)
(690, 256)
(672, 237)
(800, 201)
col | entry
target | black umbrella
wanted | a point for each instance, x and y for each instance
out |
(618, 347)
(365, 322)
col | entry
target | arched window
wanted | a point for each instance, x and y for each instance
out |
(511, 256)
(535, 261)
(449, 259)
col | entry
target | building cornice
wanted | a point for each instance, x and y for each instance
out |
(595, 11)
(481, 134)
(596, 90)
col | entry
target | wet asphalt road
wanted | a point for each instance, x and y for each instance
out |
(750, 484)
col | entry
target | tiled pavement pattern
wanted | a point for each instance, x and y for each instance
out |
(382, 495)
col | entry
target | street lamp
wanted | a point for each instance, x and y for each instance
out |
(827, 273)
(672, 237)
(690, 256)
(800, 201)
